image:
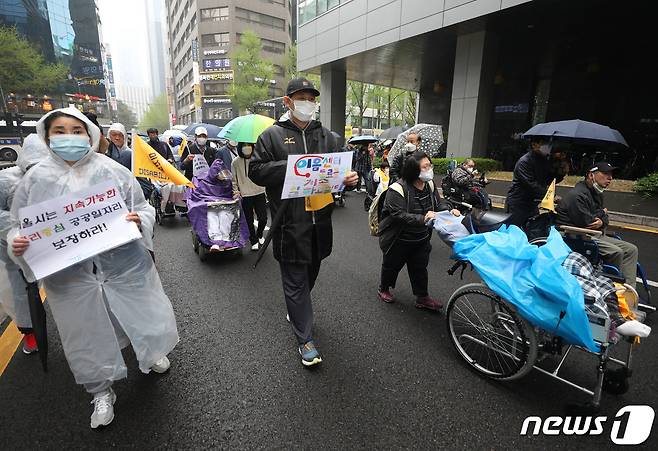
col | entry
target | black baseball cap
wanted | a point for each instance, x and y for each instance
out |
(602, 166)
(300, 84)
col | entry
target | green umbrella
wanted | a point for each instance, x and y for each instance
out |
(246, 129)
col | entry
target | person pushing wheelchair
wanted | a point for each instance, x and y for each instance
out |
(583, 207)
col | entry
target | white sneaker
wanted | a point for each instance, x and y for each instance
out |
(287, 317)
(161, 366)
(103, 408)
(266, 228)
(214, 247)
(261, 241)
(254, 247)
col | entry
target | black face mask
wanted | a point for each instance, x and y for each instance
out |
(154, 140)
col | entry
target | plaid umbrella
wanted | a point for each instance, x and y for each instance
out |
(431, 139)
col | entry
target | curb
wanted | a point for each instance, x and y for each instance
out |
(622, 219)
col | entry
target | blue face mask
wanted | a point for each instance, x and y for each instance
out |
(70, 147)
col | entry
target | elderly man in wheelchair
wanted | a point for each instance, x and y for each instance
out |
(582, 207)
(543, 298)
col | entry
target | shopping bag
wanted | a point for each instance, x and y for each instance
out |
(449, 227)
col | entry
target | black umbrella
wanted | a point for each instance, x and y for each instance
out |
(578, 131)
(38, 316)
(275, 223)
(392, 133)
(213, 130)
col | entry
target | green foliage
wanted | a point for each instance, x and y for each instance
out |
(156, 116)
(482, 164)
(252, 74)
(647, 186)
(22, 67)
(126, 115)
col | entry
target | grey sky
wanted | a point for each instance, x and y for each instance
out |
(124, 29)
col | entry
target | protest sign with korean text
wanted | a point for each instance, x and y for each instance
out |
(321, 173)
(74, 227)
(199, 165)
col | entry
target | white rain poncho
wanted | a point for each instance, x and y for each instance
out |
(12, 286)
(101, 303)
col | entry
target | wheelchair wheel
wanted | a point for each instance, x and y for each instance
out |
(487, 332)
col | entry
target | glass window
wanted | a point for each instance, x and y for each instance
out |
(310, 9)
(220, 39)
(218, 113)
(214, 14)
(215, 89)
(270, 46)
(262, 19)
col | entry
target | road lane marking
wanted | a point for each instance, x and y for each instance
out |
(10, 340)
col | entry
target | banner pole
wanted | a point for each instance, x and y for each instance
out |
(132, 168)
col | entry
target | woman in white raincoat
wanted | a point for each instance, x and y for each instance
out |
(113, 299)
(13, 286)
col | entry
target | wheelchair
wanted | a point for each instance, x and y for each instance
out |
(155, 199)
(489, 333)
(583, 241)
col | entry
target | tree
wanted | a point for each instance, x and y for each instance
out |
(157, 115)
(126, 115)
(357, 92)
(252, 74)
(23, 68)
(291, 62)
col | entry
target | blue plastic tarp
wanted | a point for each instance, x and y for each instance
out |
(532, 279)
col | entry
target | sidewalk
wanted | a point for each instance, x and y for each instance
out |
(628, 210)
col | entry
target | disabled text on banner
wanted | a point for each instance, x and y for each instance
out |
(150, 164)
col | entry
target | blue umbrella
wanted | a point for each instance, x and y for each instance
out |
(580, 131)
(213, 130)
(363, 139)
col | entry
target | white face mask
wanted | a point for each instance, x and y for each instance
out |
(410, 148)
(247, 151)
(304, 110)
(202, 141)
(469, 170)
(426, 176)
(599, 189)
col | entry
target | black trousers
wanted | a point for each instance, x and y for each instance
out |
(256, 204)
(298, 281)
(416, 256)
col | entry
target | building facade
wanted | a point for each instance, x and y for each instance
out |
(138, 98)
(201, 35)
(487, 70)
(67, 32)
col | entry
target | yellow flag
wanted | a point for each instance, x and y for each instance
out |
(548, 202)
(182, 147)
(150, 164)
(318, 201)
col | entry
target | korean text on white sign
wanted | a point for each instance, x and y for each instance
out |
(320, 173)
(74, 227)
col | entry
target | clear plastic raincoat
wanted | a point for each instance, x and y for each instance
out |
(12, 286)
(115, 298)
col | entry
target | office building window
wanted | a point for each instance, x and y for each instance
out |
(219, 39)
(214, 14)
(278, 2)
(218, 113)
(261, 19)
(215, 89)
(270, 46)
(310, 9)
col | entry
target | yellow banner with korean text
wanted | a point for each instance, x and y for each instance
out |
(150, 164)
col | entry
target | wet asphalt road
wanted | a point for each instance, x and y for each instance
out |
(390, 378)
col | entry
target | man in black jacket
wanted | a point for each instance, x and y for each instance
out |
(583, 207)
(413, 141)
(533, 173)
(160, 147)
(200, 146)
(302, 238)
